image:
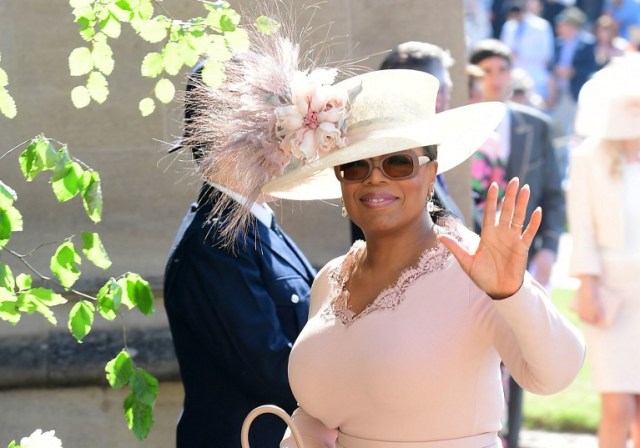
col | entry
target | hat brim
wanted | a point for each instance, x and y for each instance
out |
(457, 132)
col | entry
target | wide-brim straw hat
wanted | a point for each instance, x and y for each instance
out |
(609, 103)
(394, 111)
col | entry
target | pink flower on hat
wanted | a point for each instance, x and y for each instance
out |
(314, 121)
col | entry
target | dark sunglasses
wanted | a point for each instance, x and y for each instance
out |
(397, 166)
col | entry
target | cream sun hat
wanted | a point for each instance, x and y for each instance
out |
(278, 125)
(393, 110)
(609, 103)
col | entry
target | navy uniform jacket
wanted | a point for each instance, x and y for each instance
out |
(234, 318)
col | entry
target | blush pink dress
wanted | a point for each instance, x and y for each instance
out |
(419, 368)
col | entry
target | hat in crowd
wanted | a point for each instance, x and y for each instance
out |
(279, 124)
(572, 15)
(609, 103)
(394, 110)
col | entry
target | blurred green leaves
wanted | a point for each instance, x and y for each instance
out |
(7, 104)
(179, 44)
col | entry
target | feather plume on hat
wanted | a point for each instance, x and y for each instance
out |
(269, 112)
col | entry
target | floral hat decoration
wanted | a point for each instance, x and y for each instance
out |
(279, 124)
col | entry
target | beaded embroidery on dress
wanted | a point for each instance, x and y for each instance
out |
(431, 260)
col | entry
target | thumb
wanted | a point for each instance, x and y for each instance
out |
(458, 251)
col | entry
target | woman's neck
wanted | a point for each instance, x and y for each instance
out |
(402, 248)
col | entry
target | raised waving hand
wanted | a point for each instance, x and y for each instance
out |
(500, 260)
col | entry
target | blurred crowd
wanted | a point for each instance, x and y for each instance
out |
(556, 46)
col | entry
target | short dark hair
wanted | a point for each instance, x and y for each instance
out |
(489, 48)
(418, 56)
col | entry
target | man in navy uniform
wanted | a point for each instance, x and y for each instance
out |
(234, 313)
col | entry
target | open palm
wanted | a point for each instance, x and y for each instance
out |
(498, 264)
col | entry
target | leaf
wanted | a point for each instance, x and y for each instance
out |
(66, 180)
(121, 10)
(13, 444)
(7, 104)
(237, 40)
(111, 27)
(40, 155)
(139, 416)
(151, 65)
(138, 293)
(266, 25)
(8, 307)
(145, 9)
(24, 282)
(217, 49)
(6, 277)
(81, 319)
(80, 62)
(80, 97)
(171, 58)
(7, 194)
(98, 87)
(165, 90)
(94, 250)
(213, 74)
(64, 264)
(146, 106)
(40, 300)
(109, 299)
(92, 196)
(10, 221)
(154, 30)
(102, 57)
(120, 370)
(144, 386)
(87, 30)
(4, 79)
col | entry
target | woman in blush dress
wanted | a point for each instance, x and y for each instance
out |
(407, 330)
(604, 222)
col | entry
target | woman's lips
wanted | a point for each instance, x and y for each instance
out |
(377, 200)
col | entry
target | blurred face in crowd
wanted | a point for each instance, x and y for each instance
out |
(497, 78)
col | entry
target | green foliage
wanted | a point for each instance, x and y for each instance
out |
(138, 405)
(136, 293)
(94, 250)
(70, 178)
(182, 43)
(64, 264)
(109, 299)
(7, 104)
(81, 319)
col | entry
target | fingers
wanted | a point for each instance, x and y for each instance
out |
(520, 211)
(491, 205)
(532, 228)
(509, 202)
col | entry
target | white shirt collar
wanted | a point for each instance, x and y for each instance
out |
(261, 211)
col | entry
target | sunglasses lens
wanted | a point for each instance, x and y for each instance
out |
(398, 166)
(357, 170)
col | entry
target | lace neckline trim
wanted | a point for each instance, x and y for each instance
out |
(431, 260)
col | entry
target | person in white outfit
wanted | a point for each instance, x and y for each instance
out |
(604, 222)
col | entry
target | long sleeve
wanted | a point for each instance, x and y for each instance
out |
(543, 351)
